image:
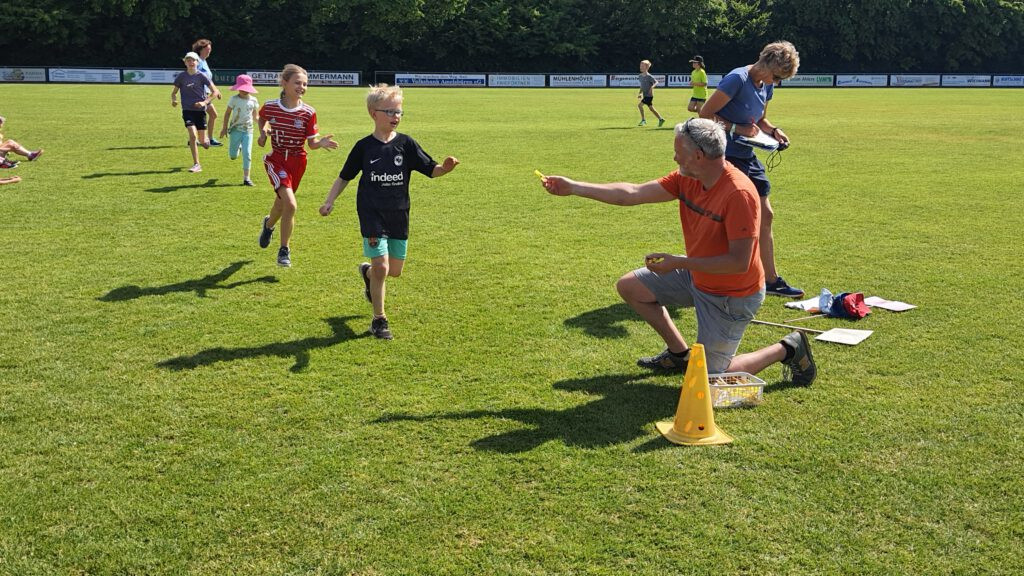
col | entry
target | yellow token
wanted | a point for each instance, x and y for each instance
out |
(539, 175)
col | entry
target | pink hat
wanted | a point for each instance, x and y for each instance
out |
(243, 83)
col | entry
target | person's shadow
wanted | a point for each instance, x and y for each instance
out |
(299, 349)
(625, 411)
(608, 322)
(200, 286)
(211, 183)
(136, 173)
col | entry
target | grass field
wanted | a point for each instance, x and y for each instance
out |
(172, 402)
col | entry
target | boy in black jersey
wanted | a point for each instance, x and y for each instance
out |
(386, 159)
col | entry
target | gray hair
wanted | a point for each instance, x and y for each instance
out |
(705, 134)
(781, 59)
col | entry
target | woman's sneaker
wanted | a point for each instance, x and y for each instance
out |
(379, 328)
(780, 288)
(667, 361)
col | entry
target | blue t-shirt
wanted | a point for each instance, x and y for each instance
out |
(203, 68)
(746, 105)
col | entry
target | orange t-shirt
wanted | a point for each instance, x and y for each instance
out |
(730, 210)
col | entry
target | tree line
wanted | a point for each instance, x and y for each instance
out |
(952, 36)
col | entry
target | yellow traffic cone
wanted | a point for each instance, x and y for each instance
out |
(694, 424)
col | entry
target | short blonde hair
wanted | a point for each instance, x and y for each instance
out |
(647, 62)
(781, 58)
(382, 92)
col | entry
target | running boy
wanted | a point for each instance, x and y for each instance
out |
(239, 121)
(646, 95)
(194, 100)
(290, 123)
(386, 159)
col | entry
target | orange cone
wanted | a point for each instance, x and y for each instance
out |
(694, 424)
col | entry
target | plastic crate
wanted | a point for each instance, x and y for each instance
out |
(735, 389)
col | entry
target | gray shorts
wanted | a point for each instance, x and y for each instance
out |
(721, 320)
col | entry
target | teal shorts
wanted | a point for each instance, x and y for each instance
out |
(385, 246)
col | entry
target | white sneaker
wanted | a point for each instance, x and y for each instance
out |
(195, 168)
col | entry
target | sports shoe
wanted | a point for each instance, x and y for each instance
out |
(265, 233)
(780, 288)
(661, 122)
(379, 328)
(215, 142)
(801, 369)
(5, 163)
(247, 182)
(195, 168)
(364, 272)
(33, 155)
(284, 257)
(642, 123)
(664, 362)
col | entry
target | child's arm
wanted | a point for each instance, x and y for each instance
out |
(215, 92)
(447, 166)
(227, 122)
(336, 189)
(325, 142)
(174, 96)
(264, 132)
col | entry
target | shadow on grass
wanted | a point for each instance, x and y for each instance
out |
(211, 183)
(138, 173)
(299, 349)
(144, 148)
(200, 286)
(627, 409)
(607, 322)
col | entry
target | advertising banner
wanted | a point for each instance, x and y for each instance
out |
(22, 74)
(226, 77)
(149, 76)
(683, 80)
(975, 80)
(915, 80)
(263, 77)
(578, 81)
(83, 75)
(516, 80)
(1002, 81)
(820, 80)
(463, 80)
(632, 80)
(333, 78)
(861, 80)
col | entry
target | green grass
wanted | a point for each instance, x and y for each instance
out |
(155, 419)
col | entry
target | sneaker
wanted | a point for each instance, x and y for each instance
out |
(284, 257)
(801, 369)
(379, 328)
(661, 122)
(195, 168)
(215, 142)
(33, 155)
(265, 233)
(205, 145)
(364, 271)
(247, 183)
(780, 288)
(642, 123)
(664, 362)
(5, 163)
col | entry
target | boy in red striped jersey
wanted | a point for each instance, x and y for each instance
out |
(290, 123)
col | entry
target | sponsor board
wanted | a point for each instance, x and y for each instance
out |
(631, 80)
(149, 76)
(578, 81)
(975, 80)
(264, 77)
(333, 78)
(683, 80)
(1015, 81)
(824, 80)
(915, 80)
(516, 80)
(861, 80)
(83, 75)
(22, 74)
(409, 79)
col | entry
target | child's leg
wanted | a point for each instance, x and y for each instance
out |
(192, 144)
(246, 153)
(211, 117)
(234, 143)
(12, 146)
(655, 112)
(284, 209)
(202, 138)
(640, 107)
(379, 270)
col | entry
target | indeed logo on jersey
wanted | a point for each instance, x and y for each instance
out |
(386, 178)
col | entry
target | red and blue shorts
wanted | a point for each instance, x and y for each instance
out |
(285, 169)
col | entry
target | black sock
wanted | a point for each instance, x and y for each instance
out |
(790, 351)
(684, 355)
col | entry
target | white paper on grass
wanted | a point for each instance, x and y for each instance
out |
(847, 336)
(809, 305)
(893, 305)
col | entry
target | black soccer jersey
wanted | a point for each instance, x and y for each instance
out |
(382, 199)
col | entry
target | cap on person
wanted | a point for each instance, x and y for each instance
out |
(191, 55)
(698, 59)
(243, 83)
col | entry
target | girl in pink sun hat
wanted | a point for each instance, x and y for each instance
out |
(239, 121)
